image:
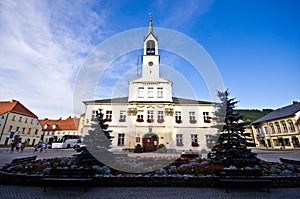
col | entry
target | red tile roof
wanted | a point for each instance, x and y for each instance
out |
(15, 106)
(60, 124)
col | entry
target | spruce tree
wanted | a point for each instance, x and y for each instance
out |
(97, 142)
(231, 148)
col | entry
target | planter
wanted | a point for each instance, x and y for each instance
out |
(150, 120)
(193, 121)
(140, 120)
(160, 120)
(178, 121)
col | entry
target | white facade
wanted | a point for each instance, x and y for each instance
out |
(150, 116)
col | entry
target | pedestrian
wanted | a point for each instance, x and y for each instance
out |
(44, 146)
(18, 147)
(23, 146)
(12, 146)
(36, 148)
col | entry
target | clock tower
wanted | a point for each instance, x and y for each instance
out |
(150, 87)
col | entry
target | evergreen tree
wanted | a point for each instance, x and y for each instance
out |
(98, 142)
(231, 148)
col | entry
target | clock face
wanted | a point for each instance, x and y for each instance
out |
(150, 63)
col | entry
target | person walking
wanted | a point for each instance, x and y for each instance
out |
(12, 146)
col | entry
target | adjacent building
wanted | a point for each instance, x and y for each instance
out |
(150, 115)
(18, 124)
(55, 127)
(279, 129)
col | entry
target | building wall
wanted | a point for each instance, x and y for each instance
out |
(165, 131)
(27, 127)
(288, 137)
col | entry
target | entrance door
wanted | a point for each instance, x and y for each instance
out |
(150, 142)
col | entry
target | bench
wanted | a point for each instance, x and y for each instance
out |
(242, 179)
(289, 161)
(69, 178)
(18, 161)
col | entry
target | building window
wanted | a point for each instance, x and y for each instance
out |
(140, 118)
(178, 117)
(122, 116)
(94, 115)
(31, 121)
(192, 117)
(278, 127)
(150, 92)
(206, 117)
(36, 131)
(160, 92)
(29, 131)
(194, 140)
(150, 117)
(160, 116)
(141, 92)
(20, 120)
(285, 129)
(23, 130)
(292, 127)
(26, 120)
(14, 118)
(121, 138)
(266, 130)
(10, 128)
(17, 129)
(179, 141)
(150, 50)
(108, 116)
(272, 128)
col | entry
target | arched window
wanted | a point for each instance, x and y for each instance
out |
(150, 47)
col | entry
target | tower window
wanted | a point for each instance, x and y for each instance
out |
(150, 50)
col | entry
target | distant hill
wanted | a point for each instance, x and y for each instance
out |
(251, 115)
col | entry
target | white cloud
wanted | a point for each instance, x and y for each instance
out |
(41, 49)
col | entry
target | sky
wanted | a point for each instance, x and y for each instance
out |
(45, 46)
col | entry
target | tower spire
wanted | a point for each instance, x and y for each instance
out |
(150, 24)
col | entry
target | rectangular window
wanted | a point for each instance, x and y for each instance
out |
(10, 128)
(17, 129)
(272, 128)
(20, 120)
(179, 141)
(14, 118)
(29, 131)
(141, 92)
(94, 115)
(292, 127)
(178, 117)
(266, 130)
(160, 92)
(140, 117)
(108, 116)
(122, 116)
(278, 127)
(26, 120)
(121, 138)
(192, 117)
(194, 140)
(206, 117)
(160, 115)
(150, 92)
(150, 116)
(31, 121)
(23, 130)
(285, 129)
(36, 131)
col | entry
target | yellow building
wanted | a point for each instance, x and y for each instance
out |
(279, 129)
(18, 123)
(54, 127)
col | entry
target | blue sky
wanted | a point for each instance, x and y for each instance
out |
(254, 44)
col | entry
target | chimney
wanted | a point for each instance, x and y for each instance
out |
(295, 102)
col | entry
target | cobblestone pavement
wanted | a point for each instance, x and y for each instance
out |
(15, 192)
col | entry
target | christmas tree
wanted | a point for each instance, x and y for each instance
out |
(232, 145)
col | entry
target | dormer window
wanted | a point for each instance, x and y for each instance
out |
(150, 48)
(54, 126)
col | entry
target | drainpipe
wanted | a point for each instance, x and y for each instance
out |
(4, 127)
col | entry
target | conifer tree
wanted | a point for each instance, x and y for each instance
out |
(231, 148)
(98, 142)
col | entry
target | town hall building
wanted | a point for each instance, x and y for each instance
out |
(150, 115)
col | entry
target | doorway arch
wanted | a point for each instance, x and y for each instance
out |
(150, 142)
